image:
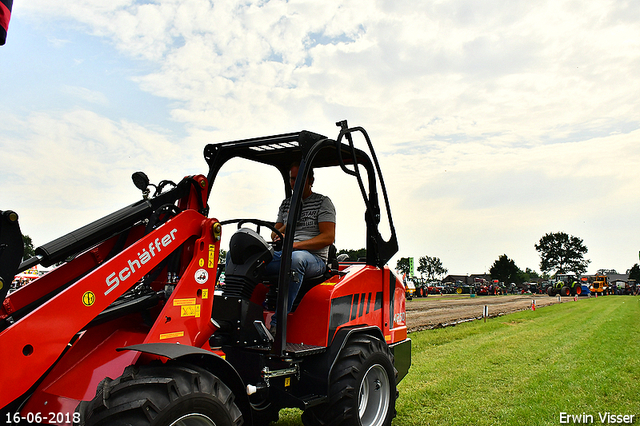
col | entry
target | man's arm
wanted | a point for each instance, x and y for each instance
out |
(325, 238)
(280, 227)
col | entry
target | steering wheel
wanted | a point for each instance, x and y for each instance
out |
(277, 245)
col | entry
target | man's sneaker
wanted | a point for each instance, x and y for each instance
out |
(272, 330)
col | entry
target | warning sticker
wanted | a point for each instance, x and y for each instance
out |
(171, 335)
(88, 298)
(181, 302)
(190, 311)
(201, 276)
(201, 262)
(212, 256)
(205, 293)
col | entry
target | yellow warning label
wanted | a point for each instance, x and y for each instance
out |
(387, 338)
(205, 293)
(88, 298)
(190, 311)
(212, 256)
(171, 335)
(201, 262)
(287, 382)
(182, 302)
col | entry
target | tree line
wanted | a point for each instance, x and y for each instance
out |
(560, 253)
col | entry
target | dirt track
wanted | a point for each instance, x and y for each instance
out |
(437, 311)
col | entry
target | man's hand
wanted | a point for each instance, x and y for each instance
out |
(280, 227)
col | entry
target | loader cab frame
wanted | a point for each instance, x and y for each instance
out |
(313, 151)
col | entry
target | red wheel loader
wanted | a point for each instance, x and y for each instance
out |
(131, 330)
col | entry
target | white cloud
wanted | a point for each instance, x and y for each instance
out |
(489, 65)
(496, 122)
(69, 169)
(85, 94)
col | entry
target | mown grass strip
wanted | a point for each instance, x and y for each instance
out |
(525, 368)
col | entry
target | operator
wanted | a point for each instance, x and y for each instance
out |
(314, 234)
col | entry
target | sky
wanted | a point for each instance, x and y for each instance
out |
(494, 122)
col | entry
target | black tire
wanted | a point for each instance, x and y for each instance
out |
(172, 394)
(566, 291)
(362, 387)
(264, 412)
(551, 291)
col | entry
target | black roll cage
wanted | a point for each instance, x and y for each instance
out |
(312, 150)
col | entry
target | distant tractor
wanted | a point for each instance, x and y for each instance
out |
(623, 287)
(584, 285)
(600, 285)
(410, 289)
(565, 285)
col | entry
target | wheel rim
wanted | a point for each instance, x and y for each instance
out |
(195, 419)
(373, 401)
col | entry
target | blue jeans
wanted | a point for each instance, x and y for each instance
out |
(302, 263)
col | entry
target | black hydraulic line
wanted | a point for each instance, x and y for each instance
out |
(102, 229)
(93, 233)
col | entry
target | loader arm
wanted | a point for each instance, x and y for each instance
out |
(31, 346)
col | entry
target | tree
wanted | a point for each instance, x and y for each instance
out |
(505, 270)
(529, 275)
(354, 255)
(29, 251)
(562, 253)
(403, 266)
(431, 267)
(634, 273)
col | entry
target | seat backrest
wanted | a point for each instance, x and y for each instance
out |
(332, 258)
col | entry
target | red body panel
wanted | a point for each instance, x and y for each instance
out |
(70, 381)
(186, 317)
(356, 298)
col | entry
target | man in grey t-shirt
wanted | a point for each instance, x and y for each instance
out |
(315, 232)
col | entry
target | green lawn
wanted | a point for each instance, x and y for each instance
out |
(525, 368)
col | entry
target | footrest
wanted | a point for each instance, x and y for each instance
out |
(313, 400)
(300, 349)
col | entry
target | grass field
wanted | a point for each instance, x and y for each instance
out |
(580, 358)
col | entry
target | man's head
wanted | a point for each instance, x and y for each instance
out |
(293, 174)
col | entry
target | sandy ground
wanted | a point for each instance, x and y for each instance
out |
(437, 311)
